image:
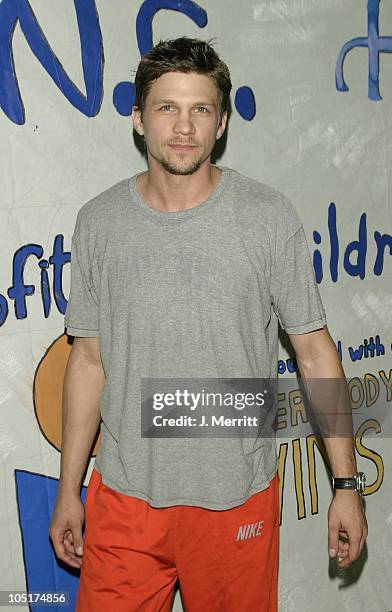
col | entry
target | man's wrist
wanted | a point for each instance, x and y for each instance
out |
(69, 488)
(355, 483)
(346, 492)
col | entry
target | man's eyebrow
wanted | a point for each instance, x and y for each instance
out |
(168, 101)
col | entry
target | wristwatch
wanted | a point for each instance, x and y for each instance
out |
(356, 482)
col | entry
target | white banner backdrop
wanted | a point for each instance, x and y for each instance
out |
(312, 102)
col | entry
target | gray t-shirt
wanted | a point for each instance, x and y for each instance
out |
(195, 293)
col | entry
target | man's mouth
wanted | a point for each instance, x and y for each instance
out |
(182, 147)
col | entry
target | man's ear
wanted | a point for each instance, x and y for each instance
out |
(137, 120)
(222, 125)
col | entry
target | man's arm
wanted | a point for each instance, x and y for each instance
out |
(318, 358)
(83, 383)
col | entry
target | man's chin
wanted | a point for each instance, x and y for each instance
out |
(181, 169)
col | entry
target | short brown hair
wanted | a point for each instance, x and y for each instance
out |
(182, 55)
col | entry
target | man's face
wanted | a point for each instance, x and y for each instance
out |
(180, 121)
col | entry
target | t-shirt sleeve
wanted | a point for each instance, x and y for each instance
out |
(295, 296)
(82, 312)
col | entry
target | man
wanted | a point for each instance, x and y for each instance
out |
(184, 271)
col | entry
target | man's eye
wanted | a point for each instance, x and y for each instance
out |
(202, 109)
(166, 107)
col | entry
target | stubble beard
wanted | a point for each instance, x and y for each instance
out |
(179, 169)
(173, 168)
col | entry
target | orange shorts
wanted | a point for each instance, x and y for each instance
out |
(134, 554)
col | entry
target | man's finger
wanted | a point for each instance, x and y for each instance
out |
(69, 546)
(61, 551)
(353, 550)
(363, 538)
(69, 536)
(76, 539)
(66, 557)
(69, 554)
(333, 540)
(343, 550)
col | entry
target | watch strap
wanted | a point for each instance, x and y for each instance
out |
(344, 483)
(356, 482)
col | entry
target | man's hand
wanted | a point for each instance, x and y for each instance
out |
(66, 528)
(346, 518)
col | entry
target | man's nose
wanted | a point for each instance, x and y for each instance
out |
(184, 123)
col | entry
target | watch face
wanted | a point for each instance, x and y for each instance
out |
(361, 481)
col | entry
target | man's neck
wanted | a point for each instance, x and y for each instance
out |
(172, 192)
